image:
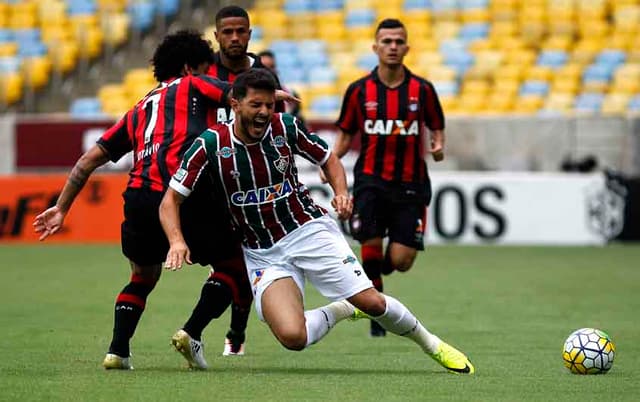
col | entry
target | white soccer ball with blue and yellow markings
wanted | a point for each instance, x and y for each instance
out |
(588, 351)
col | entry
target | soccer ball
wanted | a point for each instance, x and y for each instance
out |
(588, 351)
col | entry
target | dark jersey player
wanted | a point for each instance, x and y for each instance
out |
(390, 108)
(159, 129)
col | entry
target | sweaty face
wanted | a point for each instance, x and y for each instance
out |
(253, 114)
(233, 36)
(391, 46)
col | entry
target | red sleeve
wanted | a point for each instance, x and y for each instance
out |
(348, 120)
(212, 88)
(116, 140)
(434, 118)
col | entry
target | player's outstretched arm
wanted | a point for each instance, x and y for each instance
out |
(170, 219)
(50, 221)
(334, 172)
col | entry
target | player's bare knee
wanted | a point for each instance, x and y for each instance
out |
(293, 339)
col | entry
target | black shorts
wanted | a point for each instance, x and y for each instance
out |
(396, 212)
(206, 227)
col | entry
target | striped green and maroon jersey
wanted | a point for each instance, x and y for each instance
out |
(391, 123)
(162, 126)
(259, 181)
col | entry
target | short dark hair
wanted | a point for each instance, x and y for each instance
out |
(256, 78)
(267, 53)
(390, 23)
(177, 49)
(232, 11)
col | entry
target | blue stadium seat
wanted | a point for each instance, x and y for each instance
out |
(328, 5)
(81, 7)
(292, 75)
(453, 46)
(169, 7)
(552, 58)
(417, 4)
(322, 75)
(27, 35)
(142, 14)
(298, 6)
(10, 64)
(611, 57)
(634, 104)
(460, 61)
(86, 108)
(284, 46)
(588, 102)
(285, 61)
(311, 59)
(312, 45)
(446, 88)
(32, 49)
(444, 5)
(473, 4)
(534, 87)
(367, 61)
(473, 31)
(257, 33)
(6, 35)
(598, 72)
(326, 105)
(360, 17)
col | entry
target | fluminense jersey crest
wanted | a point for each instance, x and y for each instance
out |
(260, 180)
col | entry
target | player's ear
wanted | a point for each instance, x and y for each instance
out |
(235, 104)
(250, 30)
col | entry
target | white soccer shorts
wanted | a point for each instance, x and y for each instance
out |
(316, 251)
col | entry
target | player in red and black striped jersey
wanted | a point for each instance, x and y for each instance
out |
(391, 108)
(159, 129)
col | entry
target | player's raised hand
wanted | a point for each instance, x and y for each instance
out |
(178, 254)
(286, 96)
(343, 205)
(49, 222)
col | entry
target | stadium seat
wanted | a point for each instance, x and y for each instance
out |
(10, 87)
(85, 108)
(634, 105)
(615, 104)
(142, 13)
(588, 103)
(534, 87)
(552, 58)
(446, 88)
(326, 106)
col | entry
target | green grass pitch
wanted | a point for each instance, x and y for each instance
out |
(508, 308)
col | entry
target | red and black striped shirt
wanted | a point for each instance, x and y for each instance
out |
(162, 126)
(219, 71)
(391, 122)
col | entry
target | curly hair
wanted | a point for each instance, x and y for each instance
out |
(177, 49)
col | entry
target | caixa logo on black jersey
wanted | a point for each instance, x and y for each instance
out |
(391, 127)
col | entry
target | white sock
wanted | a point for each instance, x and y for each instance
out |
(319, 321)
(400, 321)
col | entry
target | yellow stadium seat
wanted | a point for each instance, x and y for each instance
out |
(627, 73)
(142, 76)
(470, 103)
(560, 27)
(558, 42)
(475, 15)
(55, 33)
(533, 31)
(440, 73)
(115, 27)
(36, 71)
(615, 103)
(423, 44)
(633, 56)
(111, 6)
(509, 72)
(64, 56)
(359, 4)
(593, 28)
(571, 71)
(427, 59)
(524, 57)
(500, 103)
(585, 50)
(108, 91)
(627, 87)
(512, 44)
(622, 41)
(356, 33)
(506, 87)
(23, 20)
(416, 17)
(445, 30)
(503, 28)
(598, 87)
(503, 10)
(559, 102)
(528, 104)
(448, 103)
(565, 85)
(480, 45)
(477, 87)
(116, 107)
(10, 88)
(90, 42)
